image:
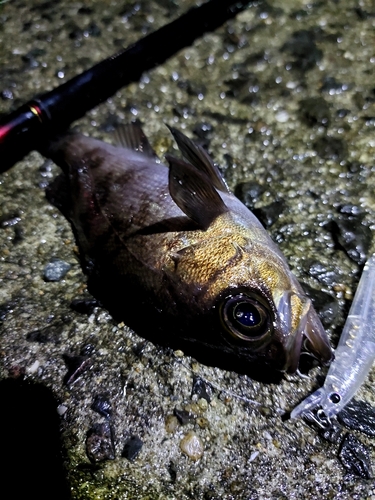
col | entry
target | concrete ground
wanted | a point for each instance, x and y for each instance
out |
(283, 96)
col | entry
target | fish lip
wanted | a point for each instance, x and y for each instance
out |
(308, 336)
(315, 338)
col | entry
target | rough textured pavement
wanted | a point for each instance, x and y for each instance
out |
(284, 99)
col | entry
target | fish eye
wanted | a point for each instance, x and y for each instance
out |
(245, 317)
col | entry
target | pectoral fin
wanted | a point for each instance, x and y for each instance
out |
(199, 158)
(193, 193)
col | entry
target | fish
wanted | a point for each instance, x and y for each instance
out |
(172, 251)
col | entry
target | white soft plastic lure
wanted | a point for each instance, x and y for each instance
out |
(354, 355)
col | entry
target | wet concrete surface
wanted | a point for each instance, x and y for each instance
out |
(283, 97)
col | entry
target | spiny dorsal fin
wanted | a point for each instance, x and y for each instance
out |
(199, 158)
(193, 192)
(131, 136)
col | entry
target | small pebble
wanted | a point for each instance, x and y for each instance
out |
(61, 410)
(327, 275)
(359, 416)
(192, 446)
(203, 404)
(352, 236)
(56, 270)
(76, 365)
(102, 405)
(200, 389)
(6, 308)
(355, 457)
(84, 306)
(6, 94)
(202, 422)
(253, 456)
(51, 333)
(9, 220)
(282, 116)
(332, 86)
(203, 129)
(171, 423)
(99, 443)
(34, 367)
(132, 447)
(172, 469)
(269, 214)
(183, 416)
(249, 193)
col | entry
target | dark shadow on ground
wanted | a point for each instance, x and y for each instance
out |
(31, 450)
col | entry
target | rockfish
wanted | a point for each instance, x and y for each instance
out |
(173, 250)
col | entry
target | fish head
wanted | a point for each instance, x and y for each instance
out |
(266, 316)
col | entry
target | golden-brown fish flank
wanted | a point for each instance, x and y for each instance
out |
(204, 262)
(173, 251)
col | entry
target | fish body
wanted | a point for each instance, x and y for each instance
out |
(173, 250)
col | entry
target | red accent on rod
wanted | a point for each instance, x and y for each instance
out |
(4, 130)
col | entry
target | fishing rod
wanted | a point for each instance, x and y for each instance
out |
(30, 125)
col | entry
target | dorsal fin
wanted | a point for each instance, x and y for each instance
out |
(131, 136)
(193, 192)
(199, 158)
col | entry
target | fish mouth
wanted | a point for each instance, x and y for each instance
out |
(304, 331)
